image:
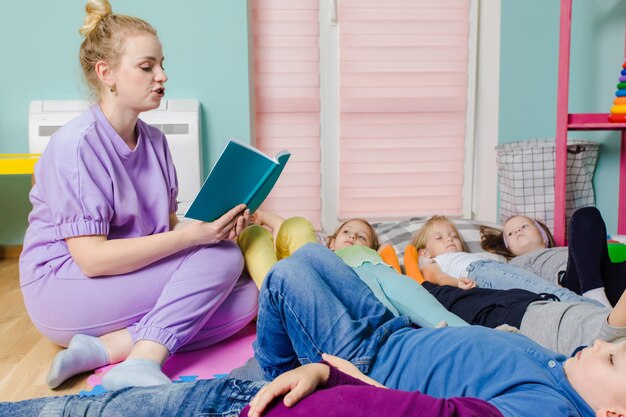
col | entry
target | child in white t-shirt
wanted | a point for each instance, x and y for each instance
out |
(443, 261)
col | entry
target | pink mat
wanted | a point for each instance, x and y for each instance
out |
(207, 363)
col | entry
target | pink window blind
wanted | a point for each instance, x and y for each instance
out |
(287, 100)
(403, 103)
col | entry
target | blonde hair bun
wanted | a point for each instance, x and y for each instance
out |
(96, 11)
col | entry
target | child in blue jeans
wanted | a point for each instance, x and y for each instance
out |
(443, 261)
(355, 241)
(310, 303)
(310, 390)
(583, 267)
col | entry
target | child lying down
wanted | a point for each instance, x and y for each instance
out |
(453, 371)
(561, 327)
(312, 302)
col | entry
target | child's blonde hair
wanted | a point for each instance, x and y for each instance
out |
(421, 236)
(375, 243)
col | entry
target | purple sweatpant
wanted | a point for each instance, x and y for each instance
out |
(186, 301)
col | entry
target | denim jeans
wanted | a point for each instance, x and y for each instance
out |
(214, 397)
(313, 303)
(500, 276)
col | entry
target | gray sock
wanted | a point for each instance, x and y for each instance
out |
(598, 294)
(250, 371)
(84, 353)
(134, 373)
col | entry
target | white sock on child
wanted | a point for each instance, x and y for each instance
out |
(135, 373)
(598, 294)
(84, 353)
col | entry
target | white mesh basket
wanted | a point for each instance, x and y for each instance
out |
(526, 178)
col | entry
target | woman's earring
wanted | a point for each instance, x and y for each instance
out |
(113, 89)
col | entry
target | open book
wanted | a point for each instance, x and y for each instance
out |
(242, 174)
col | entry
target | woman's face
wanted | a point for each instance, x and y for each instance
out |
(139, 76)
(522, 236)
(353, 233)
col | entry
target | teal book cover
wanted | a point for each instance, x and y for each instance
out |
(242, 174)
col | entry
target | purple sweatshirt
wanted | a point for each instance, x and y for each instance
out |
(344, 395)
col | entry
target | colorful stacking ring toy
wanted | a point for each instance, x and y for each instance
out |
(618, 110)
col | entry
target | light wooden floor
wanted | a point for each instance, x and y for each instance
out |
(25, 354)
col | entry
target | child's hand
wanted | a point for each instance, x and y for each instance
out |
(267, 219)
(466, 283)
(295, 385)
(257, 217)
(507, 328)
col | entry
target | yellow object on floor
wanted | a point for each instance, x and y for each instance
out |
(18, 163)
(261, 253)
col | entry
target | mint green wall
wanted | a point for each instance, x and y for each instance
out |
(528, 77)
(206, 57)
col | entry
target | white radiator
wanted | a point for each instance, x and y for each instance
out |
(178, 119)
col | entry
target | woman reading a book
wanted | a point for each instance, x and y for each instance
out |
(107, 270)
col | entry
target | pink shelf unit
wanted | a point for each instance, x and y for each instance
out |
(582, 121)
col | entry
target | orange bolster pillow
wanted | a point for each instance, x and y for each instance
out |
(388, 254)
(411, 264)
